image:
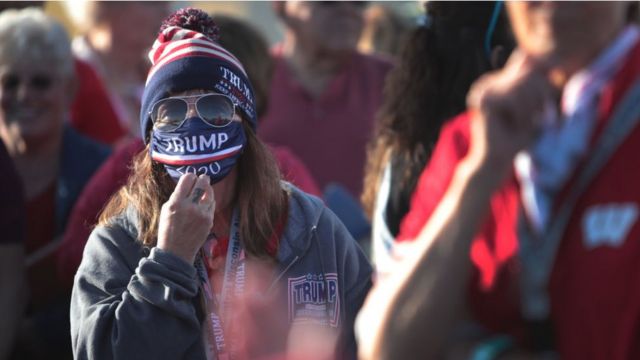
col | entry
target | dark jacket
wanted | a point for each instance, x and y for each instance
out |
(80, 158)
(130, 302)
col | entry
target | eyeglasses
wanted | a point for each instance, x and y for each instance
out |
(40, 82)
(214, 109)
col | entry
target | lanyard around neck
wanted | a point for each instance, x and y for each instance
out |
(218, 310)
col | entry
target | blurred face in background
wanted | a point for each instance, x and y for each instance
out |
(133, 25)
(566, 33)
(34, 98)
(330, 25)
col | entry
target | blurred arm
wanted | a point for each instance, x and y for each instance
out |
(417, 306)
(411, 312)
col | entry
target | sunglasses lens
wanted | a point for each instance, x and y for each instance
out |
(216, 110)
(168, 114)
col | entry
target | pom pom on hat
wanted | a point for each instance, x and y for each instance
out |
(186, 56)
(193, 19)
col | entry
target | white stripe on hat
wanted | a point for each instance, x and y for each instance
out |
(184, 34)
(170, 45)
(176, 34)
(191, 49)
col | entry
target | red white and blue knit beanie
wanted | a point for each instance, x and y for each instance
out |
(186, 56)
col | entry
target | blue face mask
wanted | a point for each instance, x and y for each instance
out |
(198, 148)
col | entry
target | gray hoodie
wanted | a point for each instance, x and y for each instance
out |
(132, 302)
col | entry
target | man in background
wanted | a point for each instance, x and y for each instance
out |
(324, 93)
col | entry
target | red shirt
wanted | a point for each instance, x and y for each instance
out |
(294, 170)
(329, 133)
(92, 113)
(594, 291)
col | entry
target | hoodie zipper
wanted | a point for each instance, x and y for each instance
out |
(295, 259)
(271, 287)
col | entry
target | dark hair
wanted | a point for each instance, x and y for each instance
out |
(438, 63)
(633, 13)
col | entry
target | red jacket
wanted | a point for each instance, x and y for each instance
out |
(594, 290)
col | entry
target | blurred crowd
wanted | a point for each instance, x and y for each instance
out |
(476, 163)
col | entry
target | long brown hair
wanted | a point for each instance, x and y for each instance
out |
(259, 196)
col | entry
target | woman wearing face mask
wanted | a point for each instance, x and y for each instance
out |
(178, 258)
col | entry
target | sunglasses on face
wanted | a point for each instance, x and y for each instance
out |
(215, 110)
(38, 82)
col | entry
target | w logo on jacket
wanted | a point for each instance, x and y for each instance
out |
(608, 224)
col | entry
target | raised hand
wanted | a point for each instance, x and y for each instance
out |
(187, 217)
(508, 108)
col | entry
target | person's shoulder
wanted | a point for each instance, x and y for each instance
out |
(457, 133)
(312, 212)
(117, 235)
(302, 203)
(306, 212)
(110, 255)
(451, 147)
(310, 220)
(84, 145)
(126, 222)
(81, 157)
